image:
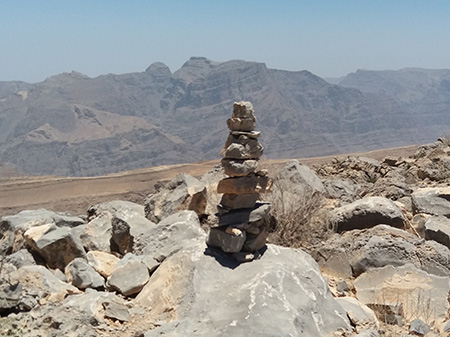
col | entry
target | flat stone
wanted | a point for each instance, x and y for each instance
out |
(238, 201)
(250, 184)
(239, 167)
(228, 242)
(437, 228)
(241, 124)
(116, 310)
(129, 279)
(250, 134)
(245, 216)
(419, 327)
(359, 313)
(434, 201)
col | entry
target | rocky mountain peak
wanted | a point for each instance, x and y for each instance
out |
(158, 69)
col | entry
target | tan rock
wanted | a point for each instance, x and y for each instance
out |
(250, 184)
(102, 262)
(233, 231)
(243, 110)
(241, 124)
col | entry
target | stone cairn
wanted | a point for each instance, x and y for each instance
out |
(241, 226)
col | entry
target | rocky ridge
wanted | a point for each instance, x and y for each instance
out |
(123, 269)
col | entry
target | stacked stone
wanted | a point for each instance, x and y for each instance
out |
(241, 218)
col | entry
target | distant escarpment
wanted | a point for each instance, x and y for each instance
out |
(74, 125)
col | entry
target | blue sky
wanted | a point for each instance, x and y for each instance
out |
(40, 38)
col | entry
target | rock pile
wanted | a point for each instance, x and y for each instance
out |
(241, 217)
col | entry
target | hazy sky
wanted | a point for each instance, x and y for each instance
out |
(40, 38)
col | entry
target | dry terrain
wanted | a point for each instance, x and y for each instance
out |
(75, 195)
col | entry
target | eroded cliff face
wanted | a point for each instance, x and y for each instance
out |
(159, 117)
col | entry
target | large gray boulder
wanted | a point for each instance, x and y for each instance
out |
(434, 201)
(200, 293)
(366, 213)
(298, 177)
(416, 293)
(184, 192)
(129, 278)
(82, 275)
(355, 252)
(437, 228)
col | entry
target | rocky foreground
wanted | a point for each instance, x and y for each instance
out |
(373, 259)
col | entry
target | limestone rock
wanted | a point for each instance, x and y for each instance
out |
(434, 201)
(80, 274)
(239, 167)
(418, 327)
(129, 279)
(366, 213)
(249, 184)
(96, 234)
(237, 201)
(241, 124)
(184, 192)
(437, 228)
(228, 242)
(103, 262)
(243, 110)
(114, 207)
(21, 258)
(58, 246)
(359, 313)
(284, 285)
(417, 292)
(298, 177)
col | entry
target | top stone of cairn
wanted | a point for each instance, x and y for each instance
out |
(243, 110)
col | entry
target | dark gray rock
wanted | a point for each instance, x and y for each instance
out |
(237, 201)
(80, 274)
(229, 242)
(437, 228)
(212, 295)
(242, 216)
(184, 192)
(129, 279)
(434, 201)
(21, 258)
(10, 298)
(366, 213)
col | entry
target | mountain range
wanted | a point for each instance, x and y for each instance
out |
(73, 125)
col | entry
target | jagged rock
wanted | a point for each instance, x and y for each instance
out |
(242, 147)
(80, 274)
(116, 310)
(298, 177)
(254, 215)
(437, 228)
(129, 278)
(12, 227)
(241, 124)
(249, 184)
(184, 192)
(358, 313)
(418, 293)
(418, 328)
(96, 234)
(243, 110)
(341, 189)
(10, 298)
(21, 258)
(366, 213)
(228, 242)
(434, 201)
(58, 246)
(239, 167)
(103, 262)
(355, 252)
(39, 280)
(171, 234)
(284, 285)
(147, 260)
(237, 201)
(114, 207)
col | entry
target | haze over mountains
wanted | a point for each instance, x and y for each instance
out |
(73, 125)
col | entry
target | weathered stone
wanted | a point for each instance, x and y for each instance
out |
(114, 207)
(103, 262)
(228, 242)
(417, 292)
(359, 313)
(121, 235)
(434, 201)
(243, 110)
(58, 246)
(244, 216)
(239, 167)
(116, 310)
(252, 149)
(129, 279)
(241, 124)
(255, 242)
(298, 177)
(418, 328)
(96, 234)
(10, 297)
(237, 201)
(21, 258)
(284, 285)
(80, 274)
(437, 228)
(250, 184)
(184, 192)
(366, 213)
